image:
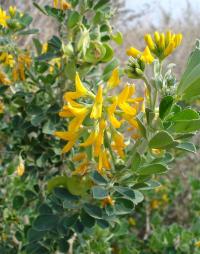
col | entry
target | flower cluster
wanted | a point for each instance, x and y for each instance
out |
(3, 18)
(95, 121)
(161, 46)
(16, 66)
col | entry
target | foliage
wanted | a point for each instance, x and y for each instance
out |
(117, 144)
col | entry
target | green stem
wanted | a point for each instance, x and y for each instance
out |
(110, 149)
(148, 89)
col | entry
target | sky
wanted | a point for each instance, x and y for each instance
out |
(175, 7)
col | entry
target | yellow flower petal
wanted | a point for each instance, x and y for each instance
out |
(82, 168)
(111, 110)
(20, 167)
(65, 135)
(90, 140)
(79, 156)
(114, 79)
(133, 52)
(157, 37)
(119, 144)
(100, 138)
(149, 41)
(79, 86)
(97, 107)
(78, 111)
(147, 56)
(69, 146)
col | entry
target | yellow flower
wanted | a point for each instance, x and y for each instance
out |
(103, 161)
(132, 221)
(114, 79)
(108, 201)
(3, 18)
(165, 198)
(147, 56)
(79, 156)
(61, 4)
(24, 60)
(7, 59)
(1, 107)
(82, 168)
(144, 56)
(3, 79)
(100, 138)
(163, 44)
(122, 101)
(133, 52)
(12, 10)
(94, 119)
(55, 62)
(44, 48)
(155, 204)
(20, 167)
(90, 140)
(98, 104)
(118, 144)
(111, 110)
(197, 244)
(149, 41)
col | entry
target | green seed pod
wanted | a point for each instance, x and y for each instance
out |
(109, 53)
(95, 52)
(68, 49)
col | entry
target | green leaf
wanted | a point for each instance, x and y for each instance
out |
(63, 245)
(189, 84)
(64, 194)
(186, 114)
(45, 222)
(189, 147)
(98, 179)
(93, 210)
(103, 223)
(186, 126)
(118, 38)
(134, 195)
(101, 4)
(36, 248)
(40, 8)
(165, 106)
(38, 45)
(152, 169)
(99, 192)
(45, 209)
(18, 202)
(123, 206)
(34, 235)
(73, 19)
(29, 31)
(141, 127)
(87, 220)
(56, 182)
(136, 161)
(68, 221)
(161, 140)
